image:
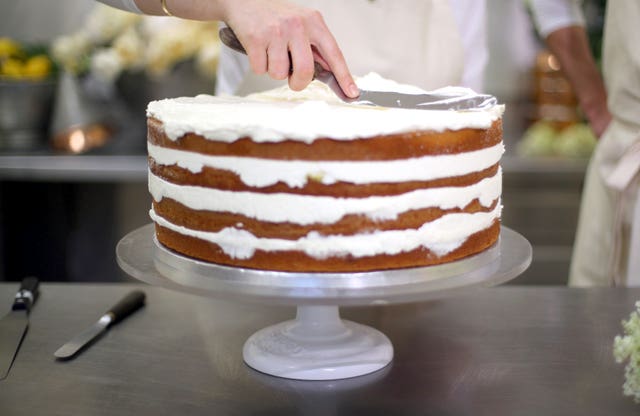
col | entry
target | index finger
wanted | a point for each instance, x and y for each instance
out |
(330, 52)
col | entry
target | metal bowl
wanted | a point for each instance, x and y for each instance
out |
(25, 113)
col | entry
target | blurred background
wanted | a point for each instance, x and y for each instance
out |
(73, 143)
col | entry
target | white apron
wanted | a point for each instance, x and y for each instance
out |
(410, 41)
(607, 246)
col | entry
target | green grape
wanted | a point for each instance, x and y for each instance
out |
(538, 140)
(576, 141)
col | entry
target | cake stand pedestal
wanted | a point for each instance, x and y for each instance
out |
(317, 344)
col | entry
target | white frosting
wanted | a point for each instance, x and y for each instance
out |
(314, 113)
(264, 172)
(440, 236)
(305, 209)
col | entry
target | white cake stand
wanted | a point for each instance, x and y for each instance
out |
(317, 344)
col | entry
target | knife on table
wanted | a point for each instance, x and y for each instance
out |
(462, 100)
(14, 325)
(125, 307)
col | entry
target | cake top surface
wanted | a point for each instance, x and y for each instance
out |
(316, 112)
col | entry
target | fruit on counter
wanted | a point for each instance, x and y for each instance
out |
(9, 48)
(577, 141)
(21, 62)
(538, 140)
(545, 138)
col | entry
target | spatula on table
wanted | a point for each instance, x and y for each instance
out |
(14, 325)
(427, 101)
(125, 307)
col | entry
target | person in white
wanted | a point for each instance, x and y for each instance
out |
(607, 247)
(428, 43)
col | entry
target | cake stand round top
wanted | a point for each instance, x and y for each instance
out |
(143, 257)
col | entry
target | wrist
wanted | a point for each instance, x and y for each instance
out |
(224, 9)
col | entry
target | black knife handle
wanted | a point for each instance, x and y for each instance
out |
(27, 294)
(231, 40)
(129, 304)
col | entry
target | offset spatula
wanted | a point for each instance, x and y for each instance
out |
(463, 101)
(14, 325)
(129, 304)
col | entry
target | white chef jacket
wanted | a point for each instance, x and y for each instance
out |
(470, 23)
(469, 16)
(607, 246)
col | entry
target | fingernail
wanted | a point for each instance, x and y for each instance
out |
(353, 90)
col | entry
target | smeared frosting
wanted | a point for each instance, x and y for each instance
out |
(296, 173)
(441, 236)
(306, 209)
(316, 112)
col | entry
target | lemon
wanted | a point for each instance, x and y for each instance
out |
(11, 68)
(38, 67)
(9, 47)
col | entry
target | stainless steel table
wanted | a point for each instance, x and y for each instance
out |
(499, 351)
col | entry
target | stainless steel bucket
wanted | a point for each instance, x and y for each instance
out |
(25, 112)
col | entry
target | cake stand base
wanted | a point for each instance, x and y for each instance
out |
(318, 345)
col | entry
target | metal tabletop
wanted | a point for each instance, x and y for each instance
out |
(496, 351)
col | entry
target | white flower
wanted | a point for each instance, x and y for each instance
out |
(69, 50)
(105, 22)
(112, 41)
(207, 60)
(169, 41)
(130, 47)
(627, 348)
(106, 64)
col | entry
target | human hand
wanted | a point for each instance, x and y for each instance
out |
(571, 46)
(600, 122)
(278, 35)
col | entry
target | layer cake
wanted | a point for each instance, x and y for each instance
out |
(299, 181)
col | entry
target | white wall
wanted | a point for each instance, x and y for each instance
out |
(41, 20)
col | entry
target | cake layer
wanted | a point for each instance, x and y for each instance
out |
(307, 209)
(299, 261)
(225, 180)
(227, 119)
(348, 225)
(261, 172)
(439, 236)
(405, 145)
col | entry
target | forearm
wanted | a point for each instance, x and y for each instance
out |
(571, 47)
(206, 10)
(280, 37)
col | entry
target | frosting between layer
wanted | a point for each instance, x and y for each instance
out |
(305, 209)
(265, 172)
(440, 236)
(282, 114)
